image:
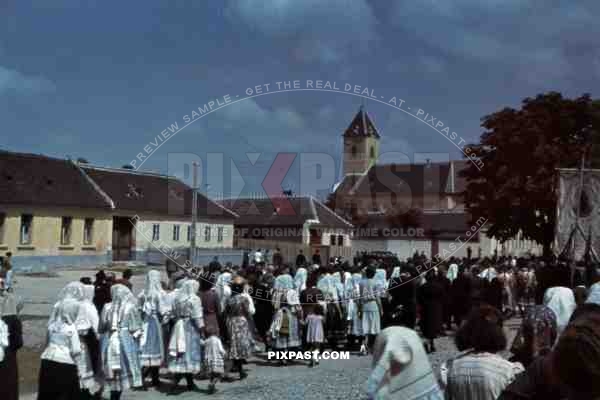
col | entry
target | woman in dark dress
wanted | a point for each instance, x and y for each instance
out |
(9, 372)
(210, 305)
(263, 305)
(461, 296)
(430, 297)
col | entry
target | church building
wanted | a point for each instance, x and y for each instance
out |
(410, 207)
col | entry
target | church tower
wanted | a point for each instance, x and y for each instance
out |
(361, 145)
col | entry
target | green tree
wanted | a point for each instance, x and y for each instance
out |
(513, 183)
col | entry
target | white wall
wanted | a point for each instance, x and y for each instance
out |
(144, 228)
(406, 248)
(368, 245)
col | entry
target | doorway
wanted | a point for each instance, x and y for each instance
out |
(122, 240)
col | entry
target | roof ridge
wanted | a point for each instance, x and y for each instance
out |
(331, 211)
(95, 186)
(33, 155)
(313, 209)
(128, 171)
(359, 180)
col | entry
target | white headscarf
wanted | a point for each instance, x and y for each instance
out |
(67, 311)
(74, 291)
(188, 291)
(415, 378)
(122, 300)
(88, 317)
(300, 279)
(562, 301)
(452, 273)
(152, 293)
(594, 295)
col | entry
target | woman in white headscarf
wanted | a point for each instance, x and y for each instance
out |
(300, 279)
(59, 377)
(593, 296)
(74, 290)
(335, 322)
(401, 368)
(121, 326)
(355, 334)
(11, 340)
(154, 309)
(89, 362)
(185, 352)
(380, 282)
(561, 300)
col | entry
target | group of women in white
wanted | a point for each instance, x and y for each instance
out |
(132, 338)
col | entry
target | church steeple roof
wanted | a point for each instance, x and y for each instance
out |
(361, 126)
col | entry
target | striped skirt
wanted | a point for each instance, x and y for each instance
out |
(189, 362)
(152, 351)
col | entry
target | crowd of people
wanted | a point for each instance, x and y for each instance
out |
(102, 337)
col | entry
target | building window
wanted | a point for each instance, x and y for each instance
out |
(88, 231)
(2, 226)
(176, 229)
(207, 234)
(372, 152)
(155, 232)
(354, 151)
(65, 230)
(26, 224)
(220, 234)
(332, 240)
(189, 233)
(340, 240)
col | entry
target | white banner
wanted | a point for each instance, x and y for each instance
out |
(568, 226)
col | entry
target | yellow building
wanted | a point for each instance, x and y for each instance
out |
(55, 212)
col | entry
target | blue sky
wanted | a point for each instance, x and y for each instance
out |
(101, 79)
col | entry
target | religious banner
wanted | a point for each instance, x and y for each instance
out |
(578, 214)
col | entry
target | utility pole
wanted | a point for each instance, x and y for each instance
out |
(194, 212)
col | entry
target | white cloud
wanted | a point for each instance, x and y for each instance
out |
(264, 128)
(532, 39)
(12, 80)
(315, 30)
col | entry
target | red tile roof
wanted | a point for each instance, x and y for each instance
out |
(31, 179)
(263, 212)
(152, 193)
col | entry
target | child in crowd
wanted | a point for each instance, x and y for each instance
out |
(214, 361)
(285, 329)
(315, 329)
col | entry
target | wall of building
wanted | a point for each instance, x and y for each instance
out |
(45, 249)
(327, 233)
(144, 228)
(293, 234)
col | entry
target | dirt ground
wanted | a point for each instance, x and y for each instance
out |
(29, 367)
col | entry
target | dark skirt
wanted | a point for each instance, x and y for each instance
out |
(58, 381)
(335, 325)
(9, 377)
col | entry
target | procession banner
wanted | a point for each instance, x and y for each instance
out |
(582, 232)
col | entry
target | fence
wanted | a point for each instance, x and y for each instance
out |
(289, 251)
